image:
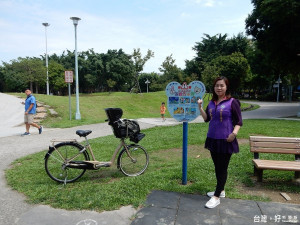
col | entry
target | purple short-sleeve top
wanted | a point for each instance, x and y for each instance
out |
(222, 118)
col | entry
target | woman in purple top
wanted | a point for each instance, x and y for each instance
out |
(225, 119)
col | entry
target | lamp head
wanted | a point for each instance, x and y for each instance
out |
(75, 20)
(46, 24)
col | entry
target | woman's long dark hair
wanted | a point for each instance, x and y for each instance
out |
(227, 94)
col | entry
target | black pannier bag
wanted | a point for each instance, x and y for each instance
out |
(123, 128)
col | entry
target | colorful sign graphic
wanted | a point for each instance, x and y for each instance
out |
(182, 100)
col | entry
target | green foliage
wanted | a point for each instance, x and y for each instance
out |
(111, 83)
(24, 72)
(139, 61)
(170, 71)
(274, 25)
(210, 73)
(57, 82)
(154, 84)
(192, 68)
(235, 67)
(221, 56)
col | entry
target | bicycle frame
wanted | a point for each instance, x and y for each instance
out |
(87, 147)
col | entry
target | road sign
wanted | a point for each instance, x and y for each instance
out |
(69, 76)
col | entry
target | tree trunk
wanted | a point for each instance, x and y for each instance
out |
(36, 88)
(31, 86)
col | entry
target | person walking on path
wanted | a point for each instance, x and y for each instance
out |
(225, 119)
(163, 111)
(30, 111)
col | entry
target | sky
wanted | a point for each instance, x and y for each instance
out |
(164, 26)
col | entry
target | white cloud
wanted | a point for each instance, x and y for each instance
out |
(185, 15)
(207, 3)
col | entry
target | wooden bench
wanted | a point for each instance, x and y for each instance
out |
(277, 145)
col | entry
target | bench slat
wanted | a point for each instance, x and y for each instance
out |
(275, 150)
(274, 139)
(275, 145)
(277, 165)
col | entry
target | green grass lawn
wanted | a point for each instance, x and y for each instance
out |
(146, 105)
(108, 188)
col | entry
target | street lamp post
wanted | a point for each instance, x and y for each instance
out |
(77, 114)
(147, 82)
(46, 25)
(278, 82)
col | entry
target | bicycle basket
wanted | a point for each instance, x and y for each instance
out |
(127, 129)
(132, 127)
(137, 137)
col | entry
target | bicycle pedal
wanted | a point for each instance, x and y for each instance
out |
(103, 164)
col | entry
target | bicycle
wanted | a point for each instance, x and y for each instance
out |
(67, 161)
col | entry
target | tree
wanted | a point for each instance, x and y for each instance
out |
(212, 47)
(13, 80)
(111, 84)
(139, 63)
(260, 69)
(275, 25)
(235, 67)
(171, 72)
(210, 73)
(117, 66)
(34, 71)
(56, 78)
(192, 68)
(91, 66)
(25, 72)
(90, 82)
(2, 83)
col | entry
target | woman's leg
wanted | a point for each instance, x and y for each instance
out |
(221, 162)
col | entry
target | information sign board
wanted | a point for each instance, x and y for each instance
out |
(182, 100)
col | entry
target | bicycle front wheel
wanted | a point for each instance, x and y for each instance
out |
(134, 162)
(57, 159)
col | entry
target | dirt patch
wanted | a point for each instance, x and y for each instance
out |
(243, 141)
(194, 151)
(259, 190)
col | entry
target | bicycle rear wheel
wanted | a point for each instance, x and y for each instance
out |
(135, 163)
(56, 162)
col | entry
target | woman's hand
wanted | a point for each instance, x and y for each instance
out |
(231, 137)
(200, 101)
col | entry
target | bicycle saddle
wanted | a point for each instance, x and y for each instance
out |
(83, 133)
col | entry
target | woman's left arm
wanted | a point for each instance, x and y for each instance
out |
(236, 118)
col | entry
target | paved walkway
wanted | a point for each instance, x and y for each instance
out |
(14, 209)
(186, 209)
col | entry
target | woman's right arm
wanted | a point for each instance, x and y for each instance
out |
(203, 113)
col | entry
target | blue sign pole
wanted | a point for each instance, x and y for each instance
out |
(182, 105)
(184, 152)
